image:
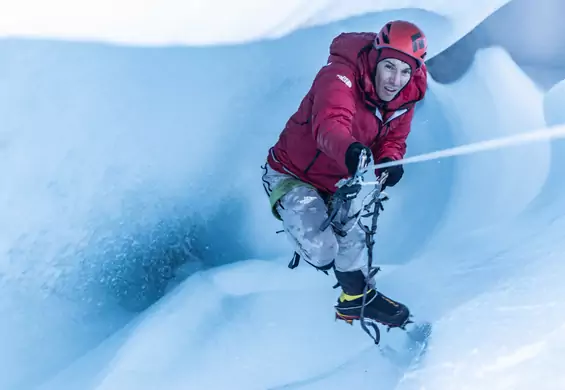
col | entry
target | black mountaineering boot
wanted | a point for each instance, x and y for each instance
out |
(378, 307)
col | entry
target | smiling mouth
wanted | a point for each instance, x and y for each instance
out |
(390, 90)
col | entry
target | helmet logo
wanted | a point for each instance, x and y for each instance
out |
(417, 42)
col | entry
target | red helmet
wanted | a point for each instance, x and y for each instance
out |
(404, 37)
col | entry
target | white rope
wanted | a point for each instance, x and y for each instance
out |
(542, 134)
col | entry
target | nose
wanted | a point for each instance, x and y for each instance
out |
(395, 77)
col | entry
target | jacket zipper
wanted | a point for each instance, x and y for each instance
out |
(318, 151)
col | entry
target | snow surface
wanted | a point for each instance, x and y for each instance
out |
(197, 22)
(108, 153)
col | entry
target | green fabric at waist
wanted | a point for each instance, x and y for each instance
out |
(283, 188)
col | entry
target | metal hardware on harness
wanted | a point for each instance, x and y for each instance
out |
(341, 200)
(348, 189)
(370, 242)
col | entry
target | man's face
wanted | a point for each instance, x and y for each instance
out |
(391, 76)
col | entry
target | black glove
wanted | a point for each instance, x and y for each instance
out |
(394, 173)
(352, 156)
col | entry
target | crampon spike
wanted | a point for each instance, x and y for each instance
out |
(342, 318)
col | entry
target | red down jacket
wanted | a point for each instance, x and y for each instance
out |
(342, 107)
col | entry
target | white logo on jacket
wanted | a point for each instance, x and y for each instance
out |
(345, 80)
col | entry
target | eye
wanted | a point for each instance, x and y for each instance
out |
(406, 72)
(388, 66)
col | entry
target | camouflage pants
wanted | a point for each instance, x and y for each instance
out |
(303, 211)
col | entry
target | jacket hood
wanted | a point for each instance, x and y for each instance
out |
(356, 50)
